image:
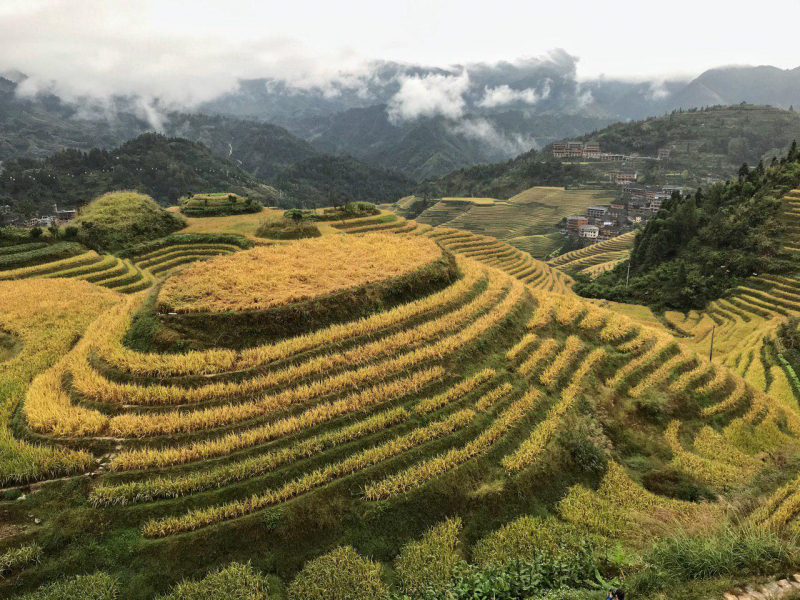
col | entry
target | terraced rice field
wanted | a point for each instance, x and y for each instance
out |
(464, 392)
(539, 246)
(385, 223)
(744, 323)
(603, 255)
(125, 275)
(520, 220)
(503, 256)
(393, 387)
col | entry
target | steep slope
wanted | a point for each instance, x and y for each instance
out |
(700, 246)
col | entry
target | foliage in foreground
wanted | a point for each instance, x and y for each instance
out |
(339, 575)
(19, 558)
(83, 587)
(732, 551)
(426, 567)
(235, 582)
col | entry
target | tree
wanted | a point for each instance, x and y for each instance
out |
(793, 154)
(744, 171)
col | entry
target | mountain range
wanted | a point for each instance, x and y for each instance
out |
(396, 125)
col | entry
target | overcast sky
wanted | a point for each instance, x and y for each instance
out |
(182, 49)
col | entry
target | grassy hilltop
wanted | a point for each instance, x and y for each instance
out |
(217, 204)
(119, 219)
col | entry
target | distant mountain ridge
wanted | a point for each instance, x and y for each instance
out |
(506, 109)
(39, 127)
(560, 107)
(705, 145)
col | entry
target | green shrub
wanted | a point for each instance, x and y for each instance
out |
(513, 581)
(339, 575)
(295, 214)
(83, 587)
(426, 567)
(361, 209)
(19, 558)
(235, 582)
(735, 551)
(287, 229)
(564, 553)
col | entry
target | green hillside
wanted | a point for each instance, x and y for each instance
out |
(161, 167)
(705, 145)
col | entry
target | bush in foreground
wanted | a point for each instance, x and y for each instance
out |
(235, 582)
(83, 587)
(426, 567)
(19, 558)
(562, 555)
(339, 575)
(732, 551)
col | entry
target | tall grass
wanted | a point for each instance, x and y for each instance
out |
(738, 551)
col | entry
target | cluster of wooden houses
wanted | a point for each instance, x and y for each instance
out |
(637, 205)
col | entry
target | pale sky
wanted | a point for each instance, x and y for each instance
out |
(184, 49)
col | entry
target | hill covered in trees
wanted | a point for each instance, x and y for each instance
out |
(701, 245)
(705, 145)
(161, 167)
(169, 168)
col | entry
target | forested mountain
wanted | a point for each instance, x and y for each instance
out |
(506, 109)
(435, 146)
(503, 180)
(168, 168)
(705, 145)
(502, 111)
(737, 134)
(161, 167)
(39, 127)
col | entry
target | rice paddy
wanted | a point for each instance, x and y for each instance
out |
(451, 402)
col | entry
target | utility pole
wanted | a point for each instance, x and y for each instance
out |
(711, 350)
(628, 276)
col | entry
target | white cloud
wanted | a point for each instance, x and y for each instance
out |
(503, 95)
(585, 98)
(428, 96)
(658, 91)
(485, 131)
(95, 48)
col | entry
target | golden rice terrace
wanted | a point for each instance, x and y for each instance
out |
(367, 392)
